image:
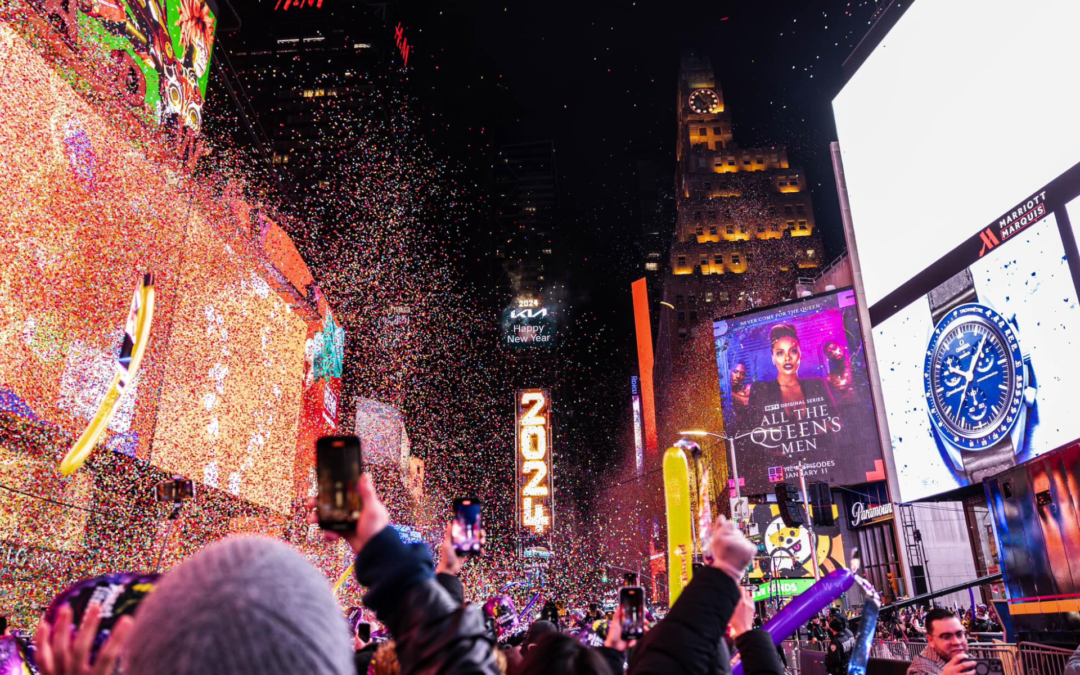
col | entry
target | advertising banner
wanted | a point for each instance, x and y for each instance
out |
(528, 327)
(781, 588)
(971, 351)
(787, 549)
(795, 389)
(639, 441)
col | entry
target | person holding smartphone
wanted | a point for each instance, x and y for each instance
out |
(429, 626)
(946, 649)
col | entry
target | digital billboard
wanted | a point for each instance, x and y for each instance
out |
(528, 327)
(969, 275)
(229, 409)
(156, 53)
(922, 126)
(639, 441)
(787, 549)
(971, 368)
(533, 461)
(795, 389)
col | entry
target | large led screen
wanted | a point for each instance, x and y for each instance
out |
(795, 389)
(974, 360)
(962, 110)
(228, 415)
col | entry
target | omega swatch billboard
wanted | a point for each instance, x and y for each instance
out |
(795, 389)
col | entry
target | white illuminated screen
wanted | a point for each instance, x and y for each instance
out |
(965, 108)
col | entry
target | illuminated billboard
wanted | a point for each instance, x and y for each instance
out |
(795, 389)
(534, 443)
(916, 124)
(787, 549)
(970, 275)
(528, 327)
(155, 54)
(639, 440)
(229, 409)
(971, 368)
(381, 428)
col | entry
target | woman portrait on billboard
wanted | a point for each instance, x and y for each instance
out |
(788, 393)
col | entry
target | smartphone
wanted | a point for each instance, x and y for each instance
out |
(630, 579)
(987, 666)
(176, 490)
(363, 631)
(465, 530)
(337, 468)
(632, 603)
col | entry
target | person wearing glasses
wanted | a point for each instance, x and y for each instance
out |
(946, 651)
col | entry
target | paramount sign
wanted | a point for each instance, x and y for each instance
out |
(861, 514)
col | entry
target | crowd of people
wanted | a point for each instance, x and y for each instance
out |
(254, 605)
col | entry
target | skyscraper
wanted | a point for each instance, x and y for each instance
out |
(526, 215)
(745, 229)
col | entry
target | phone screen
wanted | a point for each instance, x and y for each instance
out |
(337, 467)
(632, 602)
(465, 530)
(867, 627)
(363, 631)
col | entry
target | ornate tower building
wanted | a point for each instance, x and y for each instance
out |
(745, 225)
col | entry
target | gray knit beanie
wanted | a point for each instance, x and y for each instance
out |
(243, 605)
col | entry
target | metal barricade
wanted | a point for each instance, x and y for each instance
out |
(1037, 659)
(1009, 654)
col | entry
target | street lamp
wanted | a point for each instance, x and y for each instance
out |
(731, 445)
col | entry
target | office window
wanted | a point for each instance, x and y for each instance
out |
(712, 215)
(678, 299)
(693, 315)
(791, 224)
(704, 261)
(802, 224)
(652, 266)
(718, 130)
(682, 261)
(776, 227)
(783, 182)
(735, 259)
(700, 230)
(708, 297)
(724, 296)
(788, 210)
(719, 258)
(746, 161)
(719, 145)
(718, 161)
(772, 210)
(702, 132)
(742, 229)
(682, 317)
(759, 161)
(546, 251)
(731, 229)
(708, 186)
(800, 209)
(712, 229)
(731, 161)
(761, 227)
(697, 215)
(749, 258)
(692, 299)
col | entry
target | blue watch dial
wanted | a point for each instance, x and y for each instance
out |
(974, 377)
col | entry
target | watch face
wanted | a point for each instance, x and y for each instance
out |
(704, 101)
(974, 377)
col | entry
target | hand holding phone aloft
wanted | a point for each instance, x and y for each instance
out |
(373, 517)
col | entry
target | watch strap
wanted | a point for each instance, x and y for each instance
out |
(953, 292)
(980, 464)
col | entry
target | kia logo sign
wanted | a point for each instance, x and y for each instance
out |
(528, 313)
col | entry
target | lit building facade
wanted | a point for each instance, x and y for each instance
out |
(745, 230)
(526, 217)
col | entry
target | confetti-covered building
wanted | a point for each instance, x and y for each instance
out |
(243, 356)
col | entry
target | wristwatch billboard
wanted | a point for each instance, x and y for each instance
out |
(977, 380)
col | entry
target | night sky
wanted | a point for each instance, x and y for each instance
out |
(600, 79)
